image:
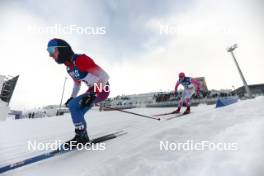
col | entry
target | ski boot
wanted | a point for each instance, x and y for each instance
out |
(81, 137)
(188, 110)
(177, 111)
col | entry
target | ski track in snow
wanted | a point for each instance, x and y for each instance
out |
(138, 152)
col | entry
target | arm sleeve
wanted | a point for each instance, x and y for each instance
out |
(76, 88)
(86, 64)
(196, 83)
(176, 86)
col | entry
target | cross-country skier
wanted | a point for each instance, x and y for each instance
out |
(81, 68)
(188, 83)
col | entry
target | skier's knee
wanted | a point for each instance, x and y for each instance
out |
(73, 104)
(180, 103)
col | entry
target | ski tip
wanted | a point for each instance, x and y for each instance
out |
(121, 132)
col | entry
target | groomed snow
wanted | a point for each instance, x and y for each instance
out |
(138, 152)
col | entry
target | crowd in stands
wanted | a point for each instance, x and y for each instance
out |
(163, 97)
(125, 101)
(122, 97)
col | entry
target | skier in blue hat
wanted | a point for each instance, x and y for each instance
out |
(81, 68)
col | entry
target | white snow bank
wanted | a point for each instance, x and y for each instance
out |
(138, 152)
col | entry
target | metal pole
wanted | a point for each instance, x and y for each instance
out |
(129, 112)
(231, 49)
(63, 91)
(241, 75)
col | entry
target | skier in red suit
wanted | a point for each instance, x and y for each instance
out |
(190, 85)
(81, 68)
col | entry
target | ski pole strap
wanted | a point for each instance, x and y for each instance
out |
(129, 112)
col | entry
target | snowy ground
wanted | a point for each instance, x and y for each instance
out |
(138, 152)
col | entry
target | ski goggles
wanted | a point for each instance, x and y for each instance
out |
(51, 49)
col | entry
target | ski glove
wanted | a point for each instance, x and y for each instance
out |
(68, 101)
(87, 100)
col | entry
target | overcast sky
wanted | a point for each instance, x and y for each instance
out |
(143, 45)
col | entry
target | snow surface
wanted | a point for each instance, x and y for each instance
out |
(138, 152)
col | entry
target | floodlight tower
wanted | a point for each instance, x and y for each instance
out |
(231, 50)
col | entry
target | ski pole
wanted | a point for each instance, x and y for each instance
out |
(141, 115)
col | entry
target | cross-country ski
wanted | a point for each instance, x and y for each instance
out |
(45, 156)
